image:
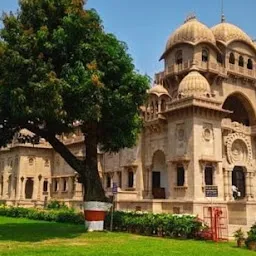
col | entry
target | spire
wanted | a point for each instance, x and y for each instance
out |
(222, 12)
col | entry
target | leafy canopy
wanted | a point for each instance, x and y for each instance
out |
(58, 65)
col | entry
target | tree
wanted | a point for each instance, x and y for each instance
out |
(59, 66)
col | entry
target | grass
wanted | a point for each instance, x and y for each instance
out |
(22, 237)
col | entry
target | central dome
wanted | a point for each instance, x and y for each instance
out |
(194, 84)
(192, 32)
(227, 33)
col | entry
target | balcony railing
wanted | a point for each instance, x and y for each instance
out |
(209, 66)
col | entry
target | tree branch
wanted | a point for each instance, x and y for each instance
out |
(77, 164)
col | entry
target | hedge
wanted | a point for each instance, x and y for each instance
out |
(62, 215)
(176, 226)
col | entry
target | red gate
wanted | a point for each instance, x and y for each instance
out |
(216, 219)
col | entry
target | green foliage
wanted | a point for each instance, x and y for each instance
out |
(56, 205)
(56, 51)
(251, 235)
(180, 226)
(58, 66)
(239, 234)
(60, 215)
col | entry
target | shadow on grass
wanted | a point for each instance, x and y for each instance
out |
(35, 232)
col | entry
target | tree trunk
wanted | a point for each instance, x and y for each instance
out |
(88, 169)
(93, 189)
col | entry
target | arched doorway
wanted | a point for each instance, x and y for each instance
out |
(159, 175)
(242, 110)
(238, 180)
(29, 186)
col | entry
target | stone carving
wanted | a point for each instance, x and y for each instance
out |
(181, 134)
(239, 149)
(235, 126)
(180, 139)
(207, 132)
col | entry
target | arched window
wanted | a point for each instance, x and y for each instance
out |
(178, 57)
(249, 64)
(45, 186)
(232, 58)
(29, 186)
(241, 61)
(65, 185)
(219, 58)
(130, 179)
(205, 55)
(56, 185)
(180, 176)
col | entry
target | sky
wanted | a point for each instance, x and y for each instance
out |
(145, 25)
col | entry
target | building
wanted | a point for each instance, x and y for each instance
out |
(198, 138)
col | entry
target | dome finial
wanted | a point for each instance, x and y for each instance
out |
(223, 19)
(190, 16)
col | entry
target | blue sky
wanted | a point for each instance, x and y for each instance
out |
(145, 25)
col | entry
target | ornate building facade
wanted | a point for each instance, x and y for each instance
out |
(199, 135)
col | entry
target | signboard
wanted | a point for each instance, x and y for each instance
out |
(211, 191)
(114, 188)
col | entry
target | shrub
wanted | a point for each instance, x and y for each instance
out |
(251, 238)
(56, 205)
(179, 226)
(60, 215)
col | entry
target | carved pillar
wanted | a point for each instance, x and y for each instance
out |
(1, 185)
(247, 185)
(230, 195)
(203, 164)
(149, 172)
(22, 188)
(251, 186)
(39, 187)
(13, 187)
(185, 165)
(60, 186)
(70, 186)
(225, 179)
(159, 106)
(6, 185)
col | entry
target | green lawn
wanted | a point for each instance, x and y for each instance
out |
(28, 237)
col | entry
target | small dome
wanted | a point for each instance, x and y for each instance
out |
(158, 90)
(227, 33)
(193, 32)
(194, 84)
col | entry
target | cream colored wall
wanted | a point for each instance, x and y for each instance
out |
(187, 54)
(207, 147)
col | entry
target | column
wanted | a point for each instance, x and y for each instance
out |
(13, 187)
(22, 188)
(185, 166)
(70, 187)
(150, 195)
(159, 105)
(60, 186)
(230, 195)
(225, 177)
(247, 185)
(39, 187)
(1, 185)
(251, 186)
(6, 186)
